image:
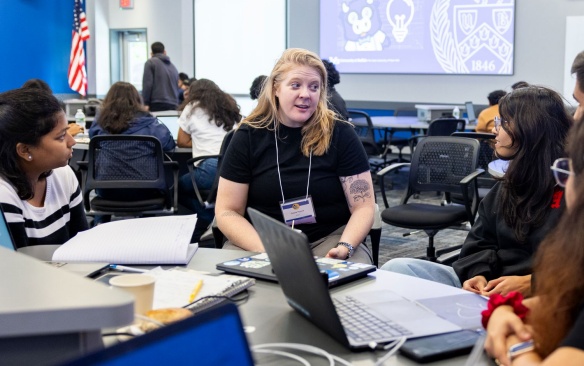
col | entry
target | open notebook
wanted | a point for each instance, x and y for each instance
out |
(150, 240)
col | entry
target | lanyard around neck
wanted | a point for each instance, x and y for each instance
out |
(278, 166)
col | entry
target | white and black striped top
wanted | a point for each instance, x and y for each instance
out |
(61, 217)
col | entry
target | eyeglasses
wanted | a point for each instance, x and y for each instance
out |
(497, 123)
(561, 169)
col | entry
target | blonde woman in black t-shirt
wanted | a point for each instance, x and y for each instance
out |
(291, 149)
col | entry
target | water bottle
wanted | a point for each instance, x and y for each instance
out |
(80, 119)
(456, 112)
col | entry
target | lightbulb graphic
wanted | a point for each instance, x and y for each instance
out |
(400, 14)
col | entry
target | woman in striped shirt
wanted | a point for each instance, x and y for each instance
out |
(39, 192)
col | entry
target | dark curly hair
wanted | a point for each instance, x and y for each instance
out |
(120, 106)
(219, 106)
(26, 115)
(332, 74)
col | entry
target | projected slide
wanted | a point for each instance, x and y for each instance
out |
(418, 36)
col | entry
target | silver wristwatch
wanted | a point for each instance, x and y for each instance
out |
(348, 246)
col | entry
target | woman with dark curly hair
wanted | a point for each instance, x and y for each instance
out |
(208, 113)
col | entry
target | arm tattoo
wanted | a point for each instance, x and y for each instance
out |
(360, 189)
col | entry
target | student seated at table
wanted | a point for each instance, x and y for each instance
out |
(39, 192)
(486, 119)
(123, 113)
(519, 210)
(207, 115)
(555, 321)
(291, 149)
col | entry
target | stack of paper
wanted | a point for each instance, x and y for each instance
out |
(152, 240)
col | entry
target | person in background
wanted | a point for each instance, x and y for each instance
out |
(578, 71)
(486, 119)
(207, 115)
(183, 84)
(256, 87)
(160, 81)
(122, 112)
(292, 152)
(74, 128)
(519, 84)
(515, 216)
(39, 192)
(555, 322)
(335, 101)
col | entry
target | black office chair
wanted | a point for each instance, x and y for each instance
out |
(364, 128)
(439, 127)
(129, 173)
(207, 197)
(445, 164)
(399, 143)
(486, 154)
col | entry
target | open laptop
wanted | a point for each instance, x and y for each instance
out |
(470, 113)
(213, 337)
(171, 122)
(82, 269)
(336, 272)
(384, 315)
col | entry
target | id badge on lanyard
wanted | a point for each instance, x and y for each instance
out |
(298, 211)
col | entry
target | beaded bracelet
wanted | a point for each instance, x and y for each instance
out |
(513, 299)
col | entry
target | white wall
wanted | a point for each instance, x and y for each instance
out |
(539, 55)
(169, 22)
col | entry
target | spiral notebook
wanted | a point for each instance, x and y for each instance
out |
(174, 287)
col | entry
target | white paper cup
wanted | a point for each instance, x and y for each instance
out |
(139, 285)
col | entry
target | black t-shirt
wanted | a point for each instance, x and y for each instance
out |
(251, 159)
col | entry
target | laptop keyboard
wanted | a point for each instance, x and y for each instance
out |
(362, 326)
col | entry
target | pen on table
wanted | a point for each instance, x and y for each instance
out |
(196, 290)
(292, 224)
(117, 267)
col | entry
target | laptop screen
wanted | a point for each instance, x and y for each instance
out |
(172, 123)
(198, 340)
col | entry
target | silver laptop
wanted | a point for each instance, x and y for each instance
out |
(470, 113)
(357, 320)
(83, 269)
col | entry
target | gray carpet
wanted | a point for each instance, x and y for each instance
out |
(393, 243)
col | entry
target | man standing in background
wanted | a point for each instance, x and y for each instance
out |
(160, 80)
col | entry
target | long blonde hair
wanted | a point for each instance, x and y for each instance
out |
(317, 132)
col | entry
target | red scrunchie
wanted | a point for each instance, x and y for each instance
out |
(514, 299)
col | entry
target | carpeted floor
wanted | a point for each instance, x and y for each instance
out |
(393, 243)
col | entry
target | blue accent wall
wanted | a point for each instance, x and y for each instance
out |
(35, 36)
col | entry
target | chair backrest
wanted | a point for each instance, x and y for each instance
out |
(364, 128)
(445, 126)
(486, 153)
(125, 162)
(439, 164)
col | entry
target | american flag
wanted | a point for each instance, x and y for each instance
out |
(77, 74)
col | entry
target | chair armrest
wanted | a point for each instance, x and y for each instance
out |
(83, 164)
(382, 173)
(471, 206)
(83, 168)
(391, 168)
(191, 161)
(466, 180)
